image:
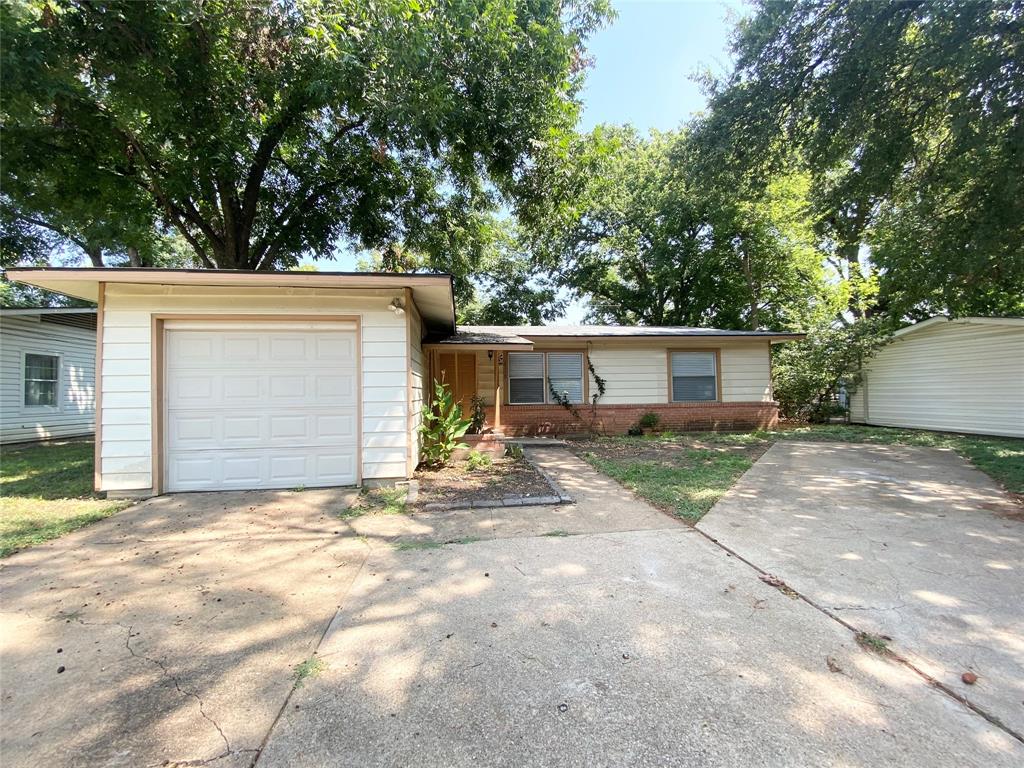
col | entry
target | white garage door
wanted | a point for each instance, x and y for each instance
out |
(259, 407)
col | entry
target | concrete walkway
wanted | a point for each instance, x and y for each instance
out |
(912, 543)
(642, 647)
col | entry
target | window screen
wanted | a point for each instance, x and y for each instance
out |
(565, 374)
(693, 376)
(41, 378)
(525, 377)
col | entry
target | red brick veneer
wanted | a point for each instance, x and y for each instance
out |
(523, 420)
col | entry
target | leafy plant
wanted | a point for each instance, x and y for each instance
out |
(477, 416)
(442, 426)
(562, 398)
(601, 384)
(514, 451)
(649, 420)
(477, 460)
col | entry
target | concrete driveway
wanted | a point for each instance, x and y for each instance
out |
(912, 543)
(601, 634)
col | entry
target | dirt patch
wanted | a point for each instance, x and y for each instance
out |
(674, 451)
(462, 482)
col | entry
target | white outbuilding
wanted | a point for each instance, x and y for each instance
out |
(959, 375)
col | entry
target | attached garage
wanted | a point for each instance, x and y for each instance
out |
(223, 380)
(961, 375)
(260, 405)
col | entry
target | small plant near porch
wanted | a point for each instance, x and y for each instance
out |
(442, 427)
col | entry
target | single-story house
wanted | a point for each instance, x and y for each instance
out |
(47, 373)
(959, 375)
(236, 380)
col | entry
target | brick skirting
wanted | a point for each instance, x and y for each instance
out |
(521, 420)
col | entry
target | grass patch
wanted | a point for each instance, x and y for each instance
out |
(46, 491)
(688, 473)
(688, 484)
(378, 501)
(871, 642)
(308, 669)
(558, 534)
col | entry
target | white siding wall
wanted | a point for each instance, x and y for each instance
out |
(959, 377)
(126, 433)
(632, 374)
(746, 372)
(418, 378)
(77, 350)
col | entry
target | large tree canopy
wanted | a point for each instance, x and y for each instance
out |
(262, 130)
(910, 117)
(639, 229)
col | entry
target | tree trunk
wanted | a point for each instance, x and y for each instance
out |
(133, 256)
(95, 254)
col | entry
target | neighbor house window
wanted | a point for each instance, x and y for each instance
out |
(694, 377)
(42, 376)
(532, 376)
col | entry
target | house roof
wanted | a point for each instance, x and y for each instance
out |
(974, 320)
(433, 293)
(527, 332)
(494, 337)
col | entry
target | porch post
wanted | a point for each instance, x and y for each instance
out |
(497, 390)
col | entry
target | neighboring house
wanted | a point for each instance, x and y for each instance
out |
(962, 375)
(47, 373)
(234, 380)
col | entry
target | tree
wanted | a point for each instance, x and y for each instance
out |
(647, 234)
(909, 117)
(262, 130)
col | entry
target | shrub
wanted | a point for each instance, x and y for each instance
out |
(649, 420)
(477, 416)
(807, 375)
(477, 460)
(442, 427)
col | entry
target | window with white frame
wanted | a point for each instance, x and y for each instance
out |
(694, 377)
(532, 376)
(42, 380)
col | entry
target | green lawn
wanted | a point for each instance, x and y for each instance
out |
(45, 492)
(687, 473)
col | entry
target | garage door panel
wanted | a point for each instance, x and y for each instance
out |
(288, 428)
(221, 388)
(280, 468)
(250, 409)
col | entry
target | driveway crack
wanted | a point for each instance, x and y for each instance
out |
(184, 692)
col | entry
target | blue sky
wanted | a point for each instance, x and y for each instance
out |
(643, 64)
(644, 61)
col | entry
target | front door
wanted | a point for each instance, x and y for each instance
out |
(458, 371)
